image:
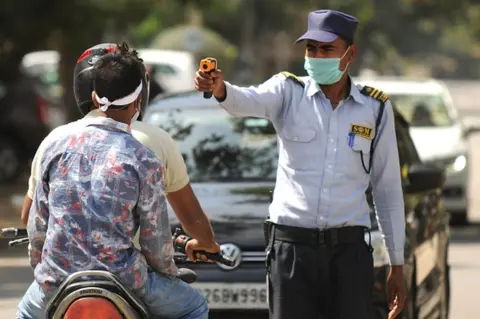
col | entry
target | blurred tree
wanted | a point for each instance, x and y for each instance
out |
(68, 26)
(24, 26)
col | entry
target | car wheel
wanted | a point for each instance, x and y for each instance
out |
(10, 160)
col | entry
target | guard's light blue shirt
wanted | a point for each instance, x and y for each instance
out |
(321, 182)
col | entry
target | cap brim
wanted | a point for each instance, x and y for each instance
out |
(318, 35)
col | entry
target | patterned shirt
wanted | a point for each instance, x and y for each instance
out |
(97, 186)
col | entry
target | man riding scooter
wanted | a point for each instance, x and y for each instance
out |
(77, 215)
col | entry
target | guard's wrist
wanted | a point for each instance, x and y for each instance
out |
(221, 94)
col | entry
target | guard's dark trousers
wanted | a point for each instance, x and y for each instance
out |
(315, 274)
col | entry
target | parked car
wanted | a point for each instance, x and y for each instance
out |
(438, 133)
(232, 163)
(23, 125)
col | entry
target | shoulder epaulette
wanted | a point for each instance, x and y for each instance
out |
(374, 93)
(293, 77)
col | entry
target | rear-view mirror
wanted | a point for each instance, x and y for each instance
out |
(424, 177)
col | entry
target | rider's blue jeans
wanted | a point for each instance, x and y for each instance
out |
(166, 298)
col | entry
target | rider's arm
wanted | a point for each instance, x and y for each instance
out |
(190, 214)
(27, 204)
(387, 188)
(155, 233)
(32, 184)
(265, 100)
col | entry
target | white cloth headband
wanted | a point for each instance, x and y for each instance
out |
(105, 103)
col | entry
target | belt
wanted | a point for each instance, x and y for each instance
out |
(317, 237)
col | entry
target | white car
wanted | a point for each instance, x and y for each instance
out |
(436, 130)
(174, 70)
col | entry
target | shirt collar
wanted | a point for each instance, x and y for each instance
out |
(355, 93)
(314, 88)
(108, 122)
(94, 113)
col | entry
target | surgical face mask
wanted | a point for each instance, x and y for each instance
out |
(136, 115)
(325, 70)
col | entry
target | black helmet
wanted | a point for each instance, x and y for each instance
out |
(83, 81)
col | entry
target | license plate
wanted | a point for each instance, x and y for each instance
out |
(234, 295)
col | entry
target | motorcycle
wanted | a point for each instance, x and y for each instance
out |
(102, 295)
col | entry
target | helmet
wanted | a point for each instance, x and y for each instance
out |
(83, 78)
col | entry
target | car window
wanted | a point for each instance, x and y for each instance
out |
(164, 69)
(423, 110)
(217, 146)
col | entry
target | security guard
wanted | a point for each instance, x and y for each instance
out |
(334, 138)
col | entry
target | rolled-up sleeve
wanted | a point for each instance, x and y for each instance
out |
(264, 101)
(176, 176)
(387, 188)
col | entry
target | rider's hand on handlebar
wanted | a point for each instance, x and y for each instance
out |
(193, 245)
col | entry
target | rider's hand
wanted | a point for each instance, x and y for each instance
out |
(396, 291)
(210, 82)
(193, 245)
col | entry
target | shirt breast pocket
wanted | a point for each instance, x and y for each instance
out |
(298, 148)
(358, 156)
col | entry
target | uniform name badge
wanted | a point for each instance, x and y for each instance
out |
(361, 130)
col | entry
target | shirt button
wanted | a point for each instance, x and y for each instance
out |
(295, 138)
(332, 140)
(321, 217)
(334, 149)
(329, 166)
(324, 190)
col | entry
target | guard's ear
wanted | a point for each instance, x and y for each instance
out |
(353, 53)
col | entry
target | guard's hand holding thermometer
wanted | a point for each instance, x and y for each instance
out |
(209, 79)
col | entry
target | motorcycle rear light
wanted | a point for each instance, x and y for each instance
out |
(92, 308)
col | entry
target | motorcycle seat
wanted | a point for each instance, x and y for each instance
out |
(101, 288)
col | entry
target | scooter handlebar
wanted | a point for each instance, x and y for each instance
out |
(179, 240)
(12, 232)
(18, 242)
